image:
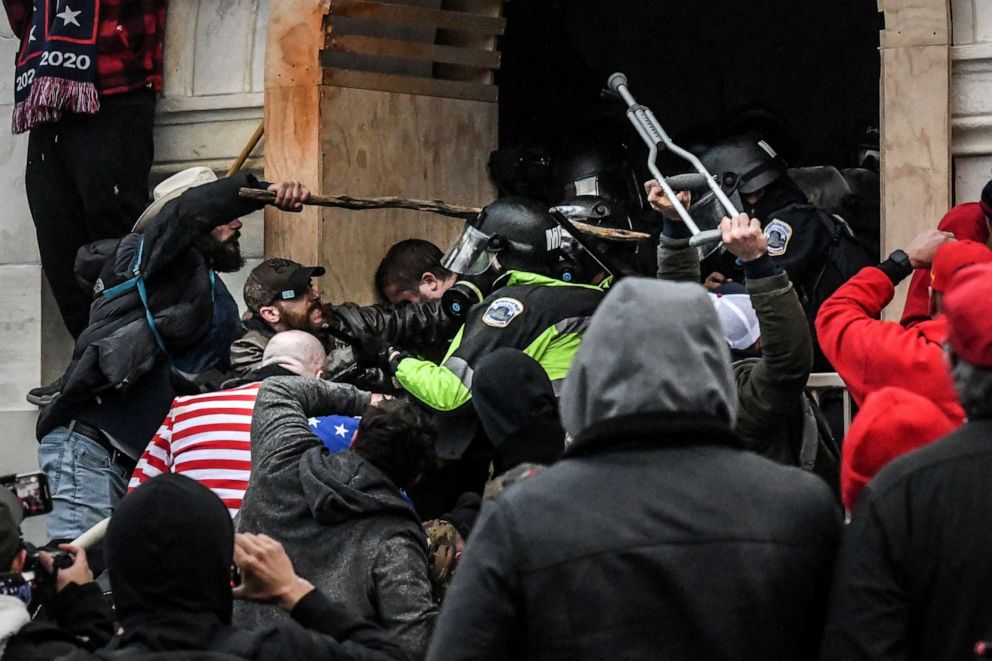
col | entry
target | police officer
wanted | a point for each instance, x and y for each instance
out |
(815, 248)
(596, 260)
(505, 258)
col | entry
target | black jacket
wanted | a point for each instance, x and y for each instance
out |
(202, 636)
(118, 379)
(657, 536)
(421, 328)
(76, 618)
(915, 573)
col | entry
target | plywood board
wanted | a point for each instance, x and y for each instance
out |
(382, 143)
(292, 109)
(473, 57)
(295, 37)
(916, 167)
(292, 152)
(407, 15)
(411, 85)
(915, 23)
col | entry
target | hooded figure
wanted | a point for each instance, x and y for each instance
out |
(342, 519)
(169, 551)
(657, 535)
(518, 410)
(150, 583)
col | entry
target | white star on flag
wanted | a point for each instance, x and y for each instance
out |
(313, 422)
(340, 430)
(69, 16)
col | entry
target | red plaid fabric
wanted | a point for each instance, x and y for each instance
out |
(130, 42)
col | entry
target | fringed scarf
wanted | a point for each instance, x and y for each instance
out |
(56, 66)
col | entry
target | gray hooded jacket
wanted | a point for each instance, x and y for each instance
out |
(657, 536)
(342, 521)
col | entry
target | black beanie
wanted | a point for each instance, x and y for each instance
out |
(169, 549)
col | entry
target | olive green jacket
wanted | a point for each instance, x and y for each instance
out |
(776, 418)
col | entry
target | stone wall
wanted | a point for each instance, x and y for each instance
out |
(971, 97)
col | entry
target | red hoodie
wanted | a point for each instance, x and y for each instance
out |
(870, 354)
(965, 221)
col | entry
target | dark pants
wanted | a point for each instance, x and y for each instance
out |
(87, 179)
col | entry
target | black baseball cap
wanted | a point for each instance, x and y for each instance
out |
(278, 279)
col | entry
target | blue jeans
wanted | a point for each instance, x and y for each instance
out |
(85, 484)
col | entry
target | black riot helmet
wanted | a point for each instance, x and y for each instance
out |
(601, 168)
(512, 233)
(745, 163)
(581, 261)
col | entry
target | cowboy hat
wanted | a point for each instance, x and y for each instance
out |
(172, 188)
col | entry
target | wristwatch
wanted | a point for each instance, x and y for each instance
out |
(901, 258)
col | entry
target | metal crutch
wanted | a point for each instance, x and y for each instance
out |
(654, 136)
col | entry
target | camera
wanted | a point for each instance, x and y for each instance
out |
(31, 491)
(34, 584)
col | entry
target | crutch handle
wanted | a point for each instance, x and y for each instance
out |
(706, 236)
(693, 181)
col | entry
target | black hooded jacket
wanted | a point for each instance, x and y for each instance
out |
(169, 550)
(119, 377)
(657, 536)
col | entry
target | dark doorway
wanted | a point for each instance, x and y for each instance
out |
(697, 64)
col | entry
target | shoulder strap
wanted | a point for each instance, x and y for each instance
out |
(138, 282)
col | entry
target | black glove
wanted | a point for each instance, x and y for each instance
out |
(372, 351)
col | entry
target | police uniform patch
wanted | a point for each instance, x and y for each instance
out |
(501, 312)
(778, 232)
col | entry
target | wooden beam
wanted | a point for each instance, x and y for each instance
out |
(915, 23)
(916, 155)
(469, 57)
(294, 39)
(450, 89)
(292, 121)
(439, 18)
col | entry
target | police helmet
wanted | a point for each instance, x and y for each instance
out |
(599, 168)
(744, 162)
(578, 264)
(512, 233)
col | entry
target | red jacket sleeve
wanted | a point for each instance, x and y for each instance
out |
(870, 354)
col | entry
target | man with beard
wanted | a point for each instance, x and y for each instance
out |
(160, 318)
(281, 295)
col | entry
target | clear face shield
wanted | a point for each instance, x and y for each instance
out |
(472, 254)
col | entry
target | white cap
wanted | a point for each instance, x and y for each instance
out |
(172, 188)
(737, 317)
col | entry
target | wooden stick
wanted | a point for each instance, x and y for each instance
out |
(247, 149)
(610, 233)
(432, 206)
(364, 203)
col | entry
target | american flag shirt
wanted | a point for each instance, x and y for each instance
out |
(208, 438)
